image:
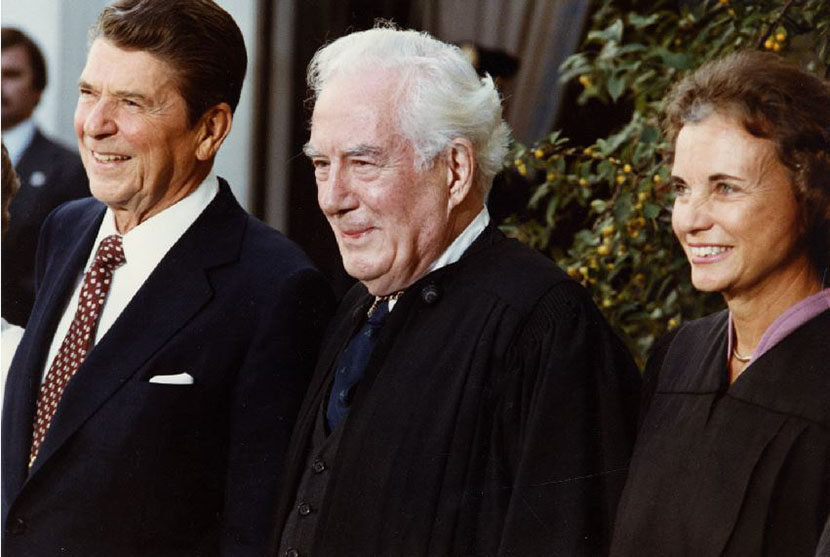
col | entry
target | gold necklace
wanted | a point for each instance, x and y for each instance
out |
(740, 358)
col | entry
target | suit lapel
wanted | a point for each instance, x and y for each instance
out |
(176, 290)
(23, 386)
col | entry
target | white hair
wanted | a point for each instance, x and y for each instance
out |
(439, 96)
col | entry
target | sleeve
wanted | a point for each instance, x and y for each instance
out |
(568, 423)
(269, 390)
(651, 374)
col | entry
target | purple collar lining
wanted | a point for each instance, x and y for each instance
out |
(793, 318)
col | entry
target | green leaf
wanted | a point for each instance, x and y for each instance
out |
(611, 33)
(616, 87)
(650, 210)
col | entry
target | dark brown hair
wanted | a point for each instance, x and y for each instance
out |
(15, 37)
(773, 100)
(197, 38)
(11, 184)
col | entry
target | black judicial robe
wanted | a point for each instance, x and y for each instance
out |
(735, 470)
(496, 416)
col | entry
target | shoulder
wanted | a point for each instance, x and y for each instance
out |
(74, 215)
(271, 250)
(517, 274)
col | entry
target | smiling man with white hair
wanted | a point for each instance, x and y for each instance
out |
(469, 398)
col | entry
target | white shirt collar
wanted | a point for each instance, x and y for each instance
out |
(146, 244)
(18, 139)
(458, 246)
(463, 241)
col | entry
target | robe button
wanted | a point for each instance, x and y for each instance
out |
(318, 466)
(16, 527)
(430, 293)
(292, 553)
(304, 509)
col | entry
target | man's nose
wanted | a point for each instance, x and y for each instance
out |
(334, 194)
(99, 120)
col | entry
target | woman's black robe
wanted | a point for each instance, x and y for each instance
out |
(737, 470)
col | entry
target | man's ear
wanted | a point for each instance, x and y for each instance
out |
(461, 163)
(214, 126)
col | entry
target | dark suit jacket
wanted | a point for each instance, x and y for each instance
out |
(136, 468)
(50, 174)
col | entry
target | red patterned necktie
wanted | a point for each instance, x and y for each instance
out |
(78, 339)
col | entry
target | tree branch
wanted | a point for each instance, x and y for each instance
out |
(774, 24)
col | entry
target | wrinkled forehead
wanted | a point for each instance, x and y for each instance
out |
(354, 109)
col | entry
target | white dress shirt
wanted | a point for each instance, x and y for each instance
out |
(144, 247)
(18, 139)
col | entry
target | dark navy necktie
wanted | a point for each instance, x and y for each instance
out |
(352, 364)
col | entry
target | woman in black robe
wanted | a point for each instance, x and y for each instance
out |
(733, 454)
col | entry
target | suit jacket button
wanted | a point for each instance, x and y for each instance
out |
(304, 509)
(318, 466)
(292, 553)
(16, 526)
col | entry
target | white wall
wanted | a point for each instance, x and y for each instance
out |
(60, 29)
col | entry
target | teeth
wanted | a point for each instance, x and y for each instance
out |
(708, 251)
(109, 158)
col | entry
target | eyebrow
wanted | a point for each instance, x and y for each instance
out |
(360, 150)
(716, 177)
(83, 84)
(310, 151)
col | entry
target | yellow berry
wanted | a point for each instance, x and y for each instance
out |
(638, 206)
(573, 272)
(608, 230)
(610, 266)
(769, 44)
(639, 278)
(585, 80)
(634, 234)
(781, 37)
(612, 160)
(723, 2)
(522, 169)
(584, 182)
(603, 250)
(627, 168)
(539, 153)
(642, 196)
(583, 271)
(550, 176)
(587, 152)
(620, 179)
(657, 179)
(672, 323)
(607, 302)
(776, 47)
(731, 12)
(518, 162)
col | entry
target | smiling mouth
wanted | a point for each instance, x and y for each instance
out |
(102, 158)
(708, 251)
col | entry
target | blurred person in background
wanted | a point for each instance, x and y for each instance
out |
(50, 174)
(733, 454)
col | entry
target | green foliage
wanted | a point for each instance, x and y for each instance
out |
(613, 195)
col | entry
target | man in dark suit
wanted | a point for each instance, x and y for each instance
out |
(469, 399)
(50, 174)
(149, 405)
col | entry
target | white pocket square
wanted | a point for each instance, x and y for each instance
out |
(177, 379)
